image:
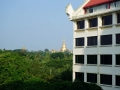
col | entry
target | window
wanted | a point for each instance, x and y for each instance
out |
(107, 20)
(118, 38)
(79, 76)
(117, 3)
(91, 77)
(81, 24)
(91, 59)
(79, 59)
(106, 39)
(118, 18)
(90, 10)
(118, 59)
(91, 41)
(106, 59)
(107, 6)
(93, 22)
(79, 41)
(117, 80)
(113, 5)
(106, 79)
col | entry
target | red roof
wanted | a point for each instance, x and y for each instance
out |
(92, 3)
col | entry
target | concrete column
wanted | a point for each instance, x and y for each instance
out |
(85, 59)
(85, 41)
(98, 58)
(98, 79)
(99, 21)
(114, 18)
(86, 26)
(74, 28)
(98, 50)
(98, 69)
(86, 23)
(114, 21)
(73, 59)
(99, 29)
(113, 60)
(74, 25)
(113, 38)
(73, 78)
(113, 80)
(85, 77)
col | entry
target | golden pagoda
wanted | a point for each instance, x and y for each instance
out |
(63, 48)
(23, 48)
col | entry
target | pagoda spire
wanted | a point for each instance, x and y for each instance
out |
(63, 48)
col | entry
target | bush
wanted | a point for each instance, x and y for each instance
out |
(40, 85)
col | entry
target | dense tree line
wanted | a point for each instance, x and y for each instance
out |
(38, 70)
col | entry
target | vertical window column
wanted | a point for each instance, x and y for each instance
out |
(86, 23)
(114, 21)
(98, 79)
(113, 60)
(113, 80)
(114, 18)
(85, 77)
(99, 29)
(99, 21)
(74, 59)
(98, 63)
(74, 25)
(85, 74)
(73, 77)
(86, 26)
(85, 59)
(74, 28)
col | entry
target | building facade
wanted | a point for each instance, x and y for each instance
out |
(96, 42)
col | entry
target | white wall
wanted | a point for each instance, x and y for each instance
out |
(98, 50)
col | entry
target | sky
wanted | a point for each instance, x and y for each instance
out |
(35, 24)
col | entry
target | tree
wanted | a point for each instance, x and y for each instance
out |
(57, 55)
(46, 50)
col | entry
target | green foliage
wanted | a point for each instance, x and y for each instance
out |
(41, 85)
(23, 70)
(46, 50)
(13, 68)
(58, 55)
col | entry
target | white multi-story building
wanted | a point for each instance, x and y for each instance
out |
(96, 42)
